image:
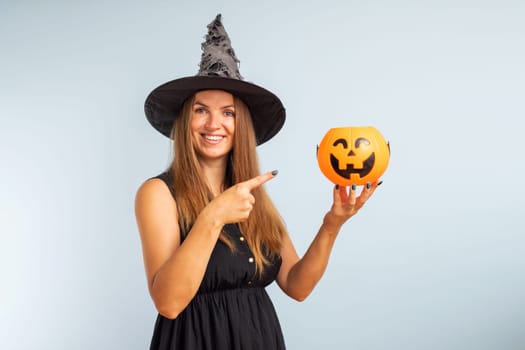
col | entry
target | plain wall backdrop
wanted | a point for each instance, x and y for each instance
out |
(435, 260)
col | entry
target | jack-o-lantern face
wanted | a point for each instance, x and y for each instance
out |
(353, 155)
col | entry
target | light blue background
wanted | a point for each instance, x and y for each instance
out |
(434, 261)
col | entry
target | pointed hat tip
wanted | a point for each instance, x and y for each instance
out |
(218, 57)
(217, 20)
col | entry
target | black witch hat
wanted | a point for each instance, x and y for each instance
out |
(218, 70)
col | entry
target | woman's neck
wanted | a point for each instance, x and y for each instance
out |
(214, 174)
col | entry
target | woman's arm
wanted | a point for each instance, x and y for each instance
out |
(298, 277)
(175, 271)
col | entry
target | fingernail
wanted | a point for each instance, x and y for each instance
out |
(379, 183)
(354, 187)
(336, 187)
(275, 172)
(368, 184)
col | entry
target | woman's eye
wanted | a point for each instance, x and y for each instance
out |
(200, 110)
(229, 113)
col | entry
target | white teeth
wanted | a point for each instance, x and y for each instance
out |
(213, 137)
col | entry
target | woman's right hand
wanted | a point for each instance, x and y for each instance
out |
(236, 203)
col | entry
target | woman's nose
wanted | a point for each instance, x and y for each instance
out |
(213, 121)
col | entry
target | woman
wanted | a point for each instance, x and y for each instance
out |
(212, 239)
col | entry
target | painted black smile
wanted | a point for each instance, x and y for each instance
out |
(368, 164)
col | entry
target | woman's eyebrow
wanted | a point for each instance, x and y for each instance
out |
(200, 103)
(204, 105)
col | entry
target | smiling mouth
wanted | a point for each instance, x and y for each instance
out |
(368, 164)
(213, 138)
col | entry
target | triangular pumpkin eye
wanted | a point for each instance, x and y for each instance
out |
(342, 142)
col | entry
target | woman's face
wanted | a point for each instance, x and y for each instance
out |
(212, 124)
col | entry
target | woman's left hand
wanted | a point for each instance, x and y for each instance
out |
(346, 203)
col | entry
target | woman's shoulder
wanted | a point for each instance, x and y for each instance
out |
(165, 177)
(159, 184)
(156, 188)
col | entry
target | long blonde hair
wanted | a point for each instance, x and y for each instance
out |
(264, 228)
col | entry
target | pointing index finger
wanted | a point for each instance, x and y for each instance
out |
(260, 180)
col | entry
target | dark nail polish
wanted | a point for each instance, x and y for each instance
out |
(354, 187)
(368, 184)
(336, 187)
(379, 183)
(275, 172)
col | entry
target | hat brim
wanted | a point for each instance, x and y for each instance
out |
(164, 103)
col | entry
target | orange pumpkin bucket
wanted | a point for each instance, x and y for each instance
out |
(353, 155)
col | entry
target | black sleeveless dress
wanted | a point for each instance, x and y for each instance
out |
(231, 310)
